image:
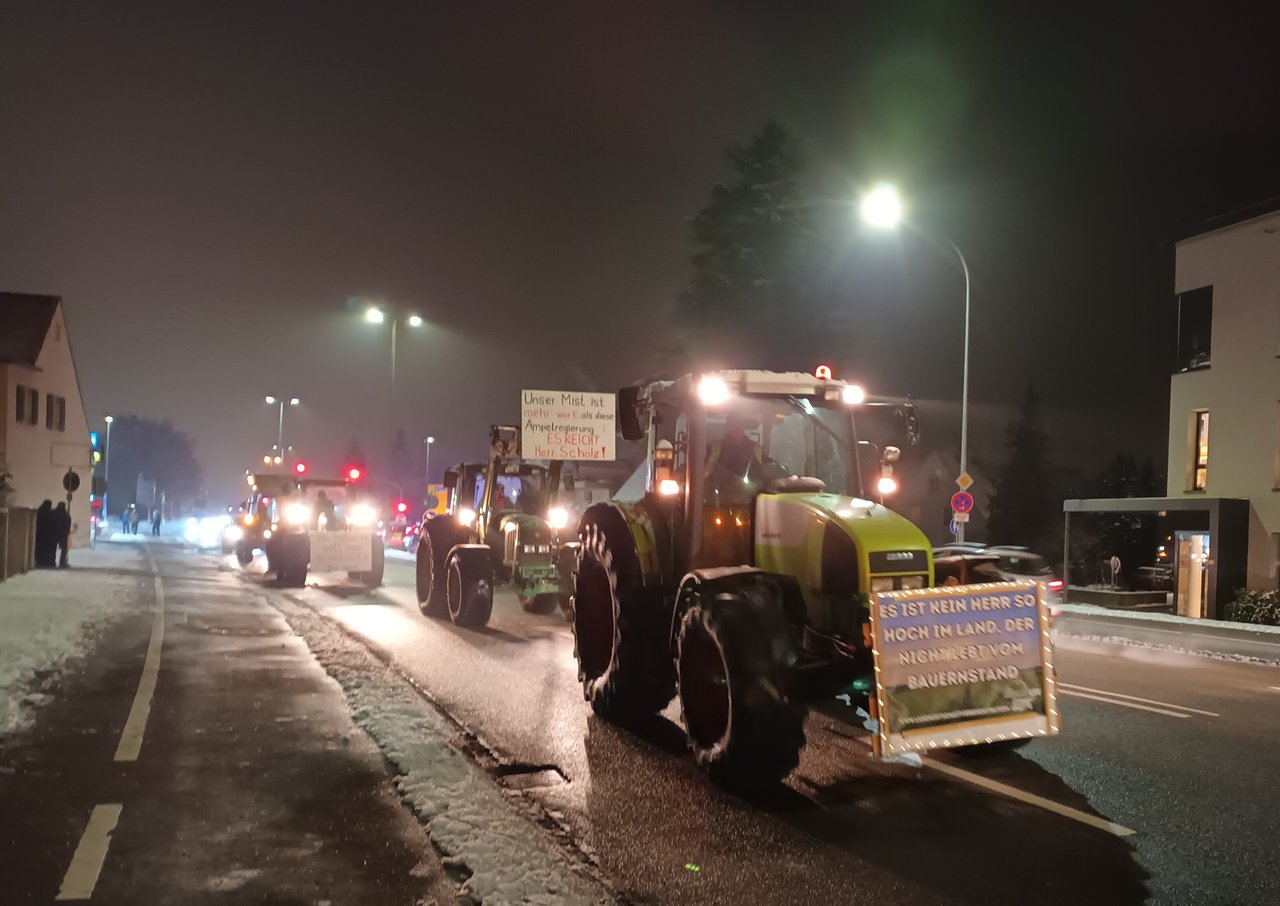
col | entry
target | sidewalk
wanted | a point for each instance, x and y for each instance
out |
(1211, 638)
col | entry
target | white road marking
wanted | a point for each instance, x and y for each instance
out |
(1135, 698)
(1048, 805)
(136, 725)
(1123, 704)
(91, 852)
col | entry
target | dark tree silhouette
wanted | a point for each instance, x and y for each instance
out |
(154, 450)
(1022, 508)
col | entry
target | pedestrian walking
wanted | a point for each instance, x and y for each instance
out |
(155, 522)
(135, 515)
(46, 550)
(62, 532)
(124, 520)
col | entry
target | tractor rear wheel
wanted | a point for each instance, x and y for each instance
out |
(244, 554)
(733, 658)
(432, 577)
(470, 585)
(378, 565)
(619, 627)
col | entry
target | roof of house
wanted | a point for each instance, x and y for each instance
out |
(25, 319)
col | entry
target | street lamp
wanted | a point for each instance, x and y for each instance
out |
(106, 457)
(281, 402)
(428, 441)
(882, 208)
(375, 314)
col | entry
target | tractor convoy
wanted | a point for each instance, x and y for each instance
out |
(745, 570)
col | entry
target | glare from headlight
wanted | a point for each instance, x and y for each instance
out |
(713, 391)
(466, 516)
(363, 515)
(881, 583)
(913, 581)
(233, 533)
(297, 513)
(557, 517)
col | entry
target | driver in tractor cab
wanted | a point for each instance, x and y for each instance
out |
(739, 455)
(324, 511)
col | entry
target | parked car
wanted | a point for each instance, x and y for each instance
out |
(1010, 561)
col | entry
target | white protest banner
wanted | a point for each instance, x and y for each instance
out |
(333, 552)
(557, 424)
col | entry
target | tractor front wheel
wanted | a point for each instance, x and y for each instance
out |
(470, 588)
(733, 656)
(431, 579)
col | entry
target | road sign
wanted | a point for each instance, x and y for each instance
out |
(964, 481)
(961, 503)
(70, 481)
(959, 518)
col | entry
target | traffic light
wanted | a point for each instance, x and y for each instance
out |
(95, 447)
(300, 468)
(402, 507)
(354, 473)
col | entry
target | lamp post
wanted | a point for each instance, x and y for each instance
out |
(377, 314)
(427, 442)
(106, 458)
(281, 402)
(882, 209)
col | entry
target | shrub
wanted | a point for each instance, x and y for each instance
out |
(1255, 607)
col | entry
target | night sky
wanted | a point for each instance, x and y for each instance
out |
(207, 184)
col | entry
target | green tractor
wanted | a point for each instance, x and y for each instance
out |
(740, 581)
(502, 527)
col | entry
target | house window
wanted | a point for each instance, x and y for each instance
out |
(1200, 450)
(60, 422)
(33, 406)
(935, 481)
(1195, 327)
(50, 401)
(20, 405)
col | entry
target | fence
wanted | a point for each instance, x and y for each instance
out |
(17, 541)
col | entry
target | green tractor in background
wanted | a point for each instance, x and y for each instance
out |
(740, 581)
(503, 526)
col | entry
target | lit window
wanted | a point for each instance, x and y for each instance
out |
(1200, 451)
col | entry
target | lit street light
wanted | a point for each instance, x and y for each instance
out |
(427, 441)
(375, 314)
(882, 208)
(106, 467)
(281, 402)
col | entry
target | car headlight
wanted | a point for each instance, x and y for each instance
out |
(297, 513)
(557, 517)
(882, 583)
(363, 515)
(466, 516)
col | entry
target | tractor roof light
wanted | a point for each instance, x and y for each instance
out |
(853, 395)
(713, 391)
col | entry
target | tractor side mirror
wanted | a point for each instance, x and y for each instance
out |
(451, 479)
(629, 414)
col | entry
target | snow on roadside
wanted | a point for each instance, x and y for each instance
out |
(48, 617)
(467, 816)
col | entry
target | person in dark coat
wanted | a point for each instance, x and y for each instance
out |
(155, 521)
(46, 544)
(62, 532)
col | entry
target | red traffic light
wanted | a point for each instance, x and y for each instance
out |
(354, 473)
(401, 506)
(300, 468)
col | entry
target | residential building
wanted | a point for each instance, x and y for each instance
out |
(43, 429)
(926, 483)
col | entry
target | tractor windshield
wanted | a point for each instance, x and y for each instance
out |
(521, 488)
(756, 440)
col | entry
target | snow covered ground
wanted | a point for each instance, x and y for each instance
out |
(48, 617)
(509, 858)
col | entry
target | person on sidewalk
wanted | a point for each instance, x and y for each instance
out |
(124, 520)
(135, 516)
(61, 522)
(155, 522)
(46, 550)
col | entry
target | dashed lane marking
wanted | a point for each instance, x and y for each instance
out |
(1123, 704)
(91, 852)
(1136, 698)
(136, 725)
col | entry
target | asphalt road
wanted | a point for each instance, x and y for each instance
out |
(1158, 790)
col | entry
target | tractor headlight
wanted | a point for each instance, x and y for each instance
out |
(913, 581)
(466, 516)
(297, 513)
(233, 533)
(882, 583)
(557, 517)
(363, 515)
(713, 391)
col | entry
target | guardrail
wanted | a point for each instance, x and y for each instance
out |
(17, 541)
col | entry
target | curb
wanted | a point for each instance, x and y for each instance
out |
(1211, 638)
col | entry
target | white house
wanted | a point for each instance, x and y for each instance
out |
(1224, 397)
(43, 430)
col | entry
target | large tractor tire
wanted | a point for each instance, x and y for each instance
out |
(567, 567)
(620, 628)
(539, 603)
(470, 585)
(733, 658)
(431, 572)
(244, 554)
